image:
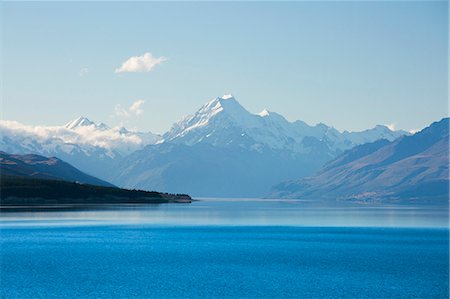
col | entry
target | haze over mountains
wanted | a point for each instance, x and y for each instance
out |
(413, 167)
(221, 150)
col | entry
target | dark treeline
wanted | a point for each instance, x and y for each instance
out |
(25, 191)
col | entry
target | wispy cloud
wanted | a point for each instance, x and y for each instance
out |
(120, 111)
(139, 64)
(134, 109)
(66, 138)
(83, 72)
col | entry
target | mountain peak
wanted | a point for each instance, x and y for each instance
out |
(123, 130)
(103, 126)
(218, 113)
(80, 121)
(384, 128)
(225, 103)
(227, 96)
(264, 113)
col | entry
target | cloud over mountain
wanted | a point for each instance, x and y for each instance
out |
(80, 131)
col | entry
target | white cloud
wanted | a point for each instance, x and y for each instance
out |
(60, 138)
(135, 109)
(139, 64)
(413, 131)
(83, 71)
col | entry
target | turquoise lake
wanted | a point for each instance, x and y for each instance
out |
(218, 248)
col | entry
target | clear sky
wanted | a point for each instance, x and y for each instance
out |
(351, 65)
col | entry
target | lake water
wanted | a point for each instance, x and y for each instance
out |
(226, 248)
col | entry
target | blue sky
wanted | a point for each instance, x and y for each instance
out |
(351, 65)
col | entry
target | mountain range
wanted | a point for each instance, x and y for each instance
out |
(93, 148)
(221, 150)
(409, 168)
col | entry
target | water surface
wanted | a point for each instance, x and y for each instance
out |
(242, 212)
(226, 248)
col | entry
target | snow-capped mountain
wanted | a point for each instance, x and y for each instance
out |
(224, 150)
(410, 169)
(80, 131)
(221, 150)
(89, 146)
(224, 122)
(84, 122)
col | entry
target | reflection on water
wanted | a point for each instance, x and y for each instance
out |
(240, 212)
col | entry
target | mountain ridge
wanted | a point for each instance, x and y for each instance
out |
(409, 167)
(224, 150)
(221, 135)
(40, 167)
(271, 129)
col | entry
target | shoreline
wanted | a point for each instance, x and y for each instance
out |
(83, 206)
